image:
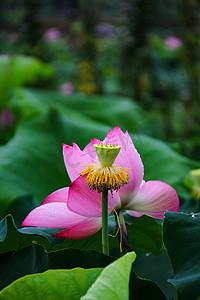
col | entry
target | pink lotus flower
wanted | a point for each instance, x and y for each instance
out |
(66, 88)
(6, 118)
(82, 214)
(52, 34)
(173, 42)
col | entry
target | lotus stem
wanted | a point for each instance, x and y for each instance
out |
(105, 246)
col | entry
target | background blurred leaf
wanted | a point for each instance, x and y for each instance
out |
(18, 70)
(20, 208)
(23, 69)
(182, 239)
(109, 110)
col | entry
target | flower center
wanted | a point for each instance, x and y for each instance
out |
(107, 153)
(105, 176)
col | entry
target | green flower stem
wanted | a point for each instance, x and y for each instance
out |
(105, 246)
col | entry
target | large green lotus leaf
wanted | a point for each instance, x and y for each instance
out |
(142, 288)
(163, 163)
(110, 110)
(158, 269)
(113, 282)
(38, 260)
(182, 240)
(145, 235)
(14, 265)
(52, 284)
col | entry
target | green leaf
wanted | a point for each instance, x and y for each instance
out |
(141, 288)
(38, 260)
(18, 70)
(20, 209)
(113, 282)
(158, 269)
(11, 239)
(23, 69)
(182, 240)
(145, 235)
(120, 111)
(52, 284)
(14, 265)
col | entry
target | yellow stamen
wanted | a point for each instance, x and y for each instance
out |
(118, 228)
(103, 177)
(120, 246)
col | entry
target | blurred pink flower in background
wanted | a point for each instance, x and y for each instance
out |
(6, 118)
(52, 34)
(66, 88)
(173, 42)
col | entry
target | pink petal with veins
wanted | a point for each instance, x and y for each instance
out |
(52, 215)
(84, 201)
(89, 150)
(153, 198)
(81, 230)
(75, 159)
(57, 196)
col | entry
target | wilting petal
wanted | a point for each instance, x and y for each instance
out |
(81, 230)
(52, 215)
(128, 157)
(153, 198)
(75, 159)
(57, 196)
(86, 202)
